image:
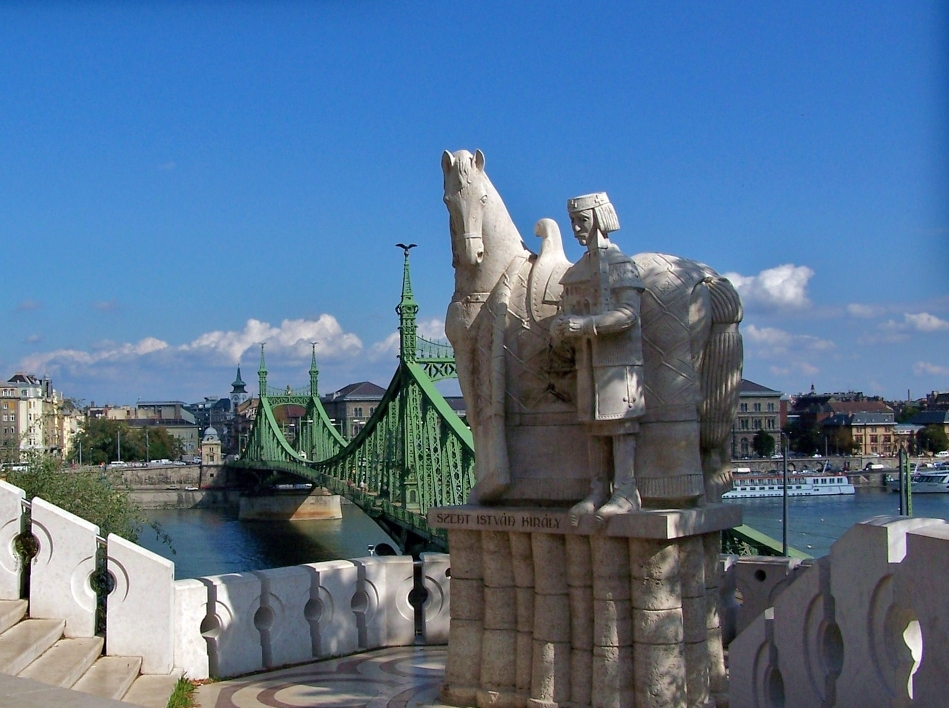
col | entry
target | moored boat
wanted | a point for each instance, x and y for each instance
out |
(928, 482)
(801, 484)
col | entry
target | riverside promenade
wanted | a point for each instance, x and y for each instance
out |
(404, 677)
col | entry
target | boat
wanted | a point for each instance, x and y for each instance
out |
(927, 481)
(800, 484)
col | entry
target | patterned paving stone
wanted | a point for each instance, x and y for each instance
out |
(407, 677)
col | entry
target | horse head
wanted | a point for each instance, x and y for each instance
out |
(466, 194)
(484, 239)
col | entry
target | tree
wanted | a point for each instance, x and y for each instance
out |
(906, 412)
(102, 499)
(842, 441)
(100, 438)
(932, 438)
(804, 440)
(763, 444)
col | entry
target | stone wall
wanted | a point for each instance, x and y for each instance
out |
(863, 626)
(220, 625)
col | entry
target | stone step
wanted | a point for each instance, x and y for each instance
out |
(27, 693)
(20, 645)
(110, 676)
(11, 612)
(65, 662)
(152, 690)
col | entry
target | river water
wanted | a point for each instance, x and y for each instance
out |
(814, 523)
(213, 541)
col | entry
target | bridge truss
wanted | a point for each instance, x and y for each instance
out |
(413, 453)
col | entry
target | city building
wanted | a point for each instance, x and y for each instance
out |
(33, 418)
(812, 409)
(173, 416)
(212, 412)
(904, 436)
(937, 401)
(245, 413)
(871, 433)
(759, 408)
(351, 406)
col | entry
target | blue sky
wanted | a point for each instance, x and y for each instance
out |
(179, 181)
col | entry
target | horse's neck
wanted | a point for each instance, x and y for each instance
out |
(502, 244)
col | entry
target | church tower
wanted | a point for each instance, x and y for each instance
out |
(238, 390)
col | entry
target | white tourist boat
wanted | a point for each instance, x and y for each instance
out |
(800, 484)
(927, 482)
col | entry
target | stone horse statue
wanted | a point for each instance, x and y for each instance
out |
(520, 388)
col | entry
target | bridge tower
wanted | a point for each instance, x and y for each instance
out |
(314, 373)
(407, 310)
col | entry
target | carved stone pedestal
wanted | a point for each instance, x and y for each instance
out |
(545, 615)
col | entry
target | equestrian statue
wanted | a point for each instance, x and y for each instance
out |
(608, 385)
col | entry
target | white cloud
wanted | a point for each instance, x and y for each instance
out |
(388, 347)
(784, 287)
(105, 305)
(106, 353)
(924, 368)
(772, 341)
(792, 354)
(432, 329)
(28, 305)
(924, 322)
(865, 311)
(291, 339)
(893, 332)
(797, 368)
(288, 342)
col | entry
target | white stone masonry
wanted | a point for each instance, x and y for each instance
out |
(59, 578)
(11, 525)
(141, 606)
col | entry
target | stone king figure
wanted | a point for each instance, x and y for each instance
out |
(599, 321)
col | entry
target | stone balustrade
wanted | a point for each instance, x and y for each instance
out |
(222, 625)
(238, 623)
(863, 626)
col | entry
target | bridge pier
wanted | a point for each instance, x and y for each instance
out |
(318, 504)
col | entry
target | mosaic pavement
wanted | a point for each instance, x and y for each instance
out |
(406, 677)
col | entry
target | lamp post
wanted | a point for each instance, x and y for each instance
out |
(785, 442)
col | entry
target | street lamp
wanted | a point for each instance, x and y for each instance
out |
(786, 443)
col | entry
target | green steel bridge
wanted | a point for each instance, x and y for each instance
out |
(414, 452)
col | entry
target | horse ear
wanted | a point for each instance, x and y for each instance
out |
(448, 161)
(479, 160)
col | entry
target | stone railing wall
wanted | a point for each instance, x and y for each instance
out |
(863, 626)
(233, 624)
(221, 625)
